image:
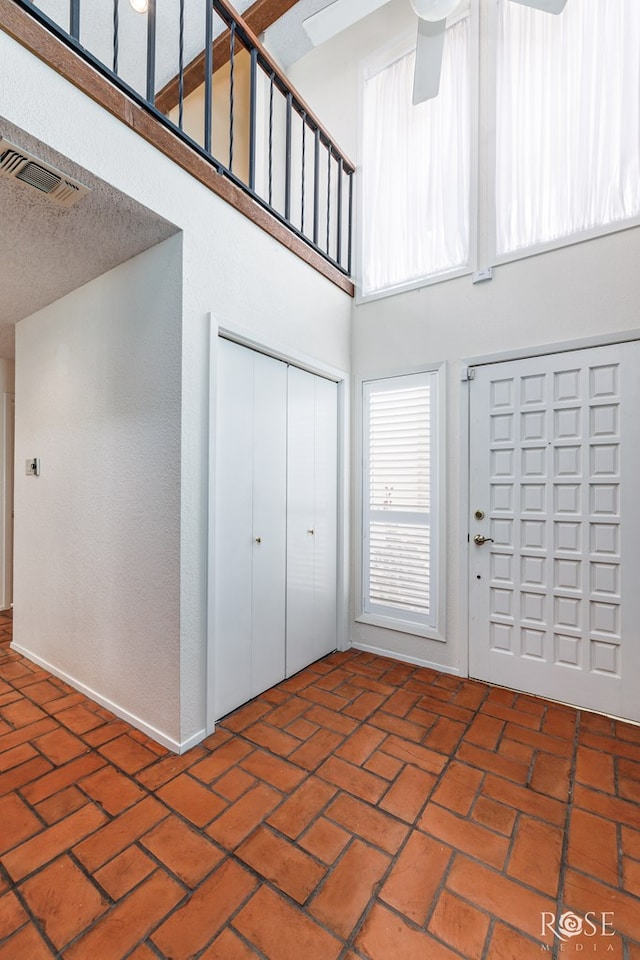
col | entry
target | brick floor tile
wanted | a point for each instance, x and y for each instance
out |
(182, 850)
(112, 838)
(353, 779)
(125, 872)
(458, 787)
(288, 712)
(595, 769)
(17, 755)
(525, 800)
(460, 925)
(471, 695)
(60, 746)
(316, 749)
(383, 765)
(630, 842)
(516, 750)
(143, 952)
(301, 729)
(374, 686)
(324, 698)
(560, 722)
(507, 944)
(628, 769)
(485, 760)
(627, 731)
(384, 935)
(494, 815)
(61, 804)
(596, 723)
(61, 777)
(26, 943)
(464, 835)
(349, 888)
(360, 745)
(228, 946)
(324, 840)
(129, 921)
(12, 914)
(551, 776)
(220, 760)
(433, 704)
(620, 748)
(78, 718)
(407, 796)
(445, 735)
(581, 893)
(610, 807)
(43, 691)
(281, 932)
(296, 813)
(236, 823)
(25, 734)
(416, 876)
(629, 789)
(298, 682)
(127, 754)
(274, 696)
(193, 801)
(512, 715)
(499, 695)
(401, 702)
(281, 774)
(63, 900)
(525, 862)
(541, 741)
(631, 876)
(396, 725)
(16, 777)
(513, 903)
(23, 823)
(245, 716)
(593, 846)
(412, 753)
(111, 790)
(233, 784)
(332, 721)
(286, 866)
(366, 822)
(52, 841)
(272, 739)
(108, 731)
(366, 704)
(21, 713)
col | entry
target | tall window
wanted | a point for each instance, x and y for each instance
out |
(399, 542)
(415, 171)
(568, 120)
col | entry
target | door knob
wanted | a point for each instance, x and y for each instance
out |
(311, 532)
(258, 539)
(479, 539)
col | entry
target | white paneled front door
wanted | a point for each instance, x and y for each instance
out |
(554, 589)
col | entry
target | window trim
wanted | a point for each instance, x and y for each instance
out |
(399, 623)
(399, 47)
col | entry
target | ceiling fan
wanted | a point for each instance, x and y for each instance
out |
(432, 23)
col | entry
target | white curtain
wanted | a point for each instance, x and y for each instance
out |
(415, 171)
(567, 120)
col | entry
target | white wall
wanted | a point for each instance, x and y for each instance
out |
(7, 386)
(230, 268)
(97, 558)
(579, 291)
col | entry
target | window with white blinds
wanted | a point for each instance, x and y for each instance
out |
(398, 524)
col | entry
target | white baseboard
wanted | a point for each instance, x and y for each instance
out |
(404, 658)
(115, 708)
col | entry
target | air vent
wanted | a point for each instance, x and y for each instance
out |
(57, 186)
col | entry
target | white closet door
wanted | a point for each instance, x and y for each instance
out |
(250, 486)
(311, 519)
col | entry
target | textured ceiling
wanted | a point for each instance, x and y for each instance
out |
(48, 250)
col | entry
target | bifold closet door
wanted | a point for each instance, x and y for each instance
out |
(250, 528)
(312, 486)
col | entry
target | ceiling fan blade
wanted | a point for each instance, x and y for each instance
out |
(547, 6)
(429, 47)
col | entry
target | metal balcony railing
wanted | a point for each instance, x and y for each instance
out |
(198, 68)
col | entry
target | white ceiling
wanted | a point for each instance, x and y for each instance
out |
(48, 250)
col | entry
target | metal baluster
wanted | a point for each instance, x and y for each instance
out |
(339, 237)
(181, 66)
(328, 196)
(271, 138)
(304, 143)
(350, 237)
(116, 32)
(316, 186)
(232, 53)
(151, 52)
(287, 161)
(74, 19)
(252, 118)
(208, 74)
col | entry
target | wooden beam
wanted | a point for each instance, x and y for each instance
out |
(23, 28)
(260, 15)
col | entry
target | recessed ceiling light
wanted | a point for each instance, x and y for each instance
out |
(140, 6)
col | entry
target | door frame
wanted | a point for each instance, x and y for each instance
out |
(521, 353)
(222, 328)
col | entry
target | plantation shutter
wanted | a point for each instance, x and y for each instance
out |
(398, 578)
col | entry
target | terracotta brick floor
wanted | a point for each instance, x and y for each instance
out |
(362, 809)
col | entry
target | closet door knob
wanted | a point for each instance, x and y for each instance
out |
(258, 539)
(311, 532)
